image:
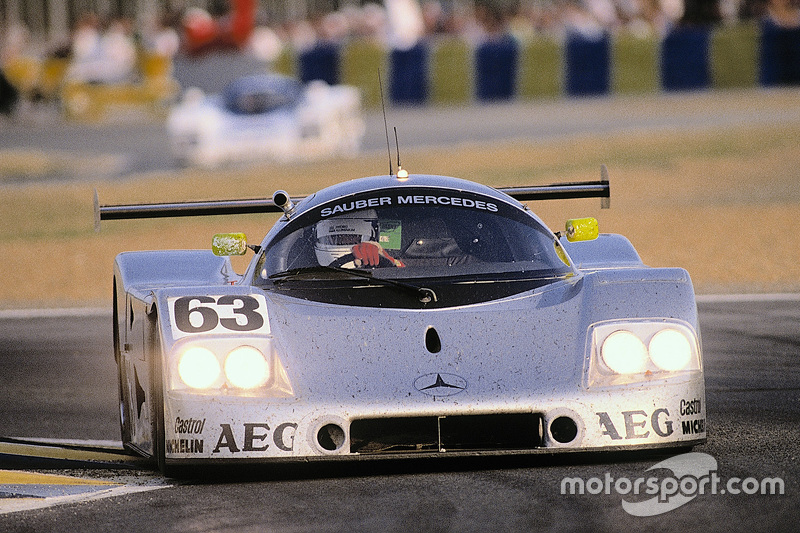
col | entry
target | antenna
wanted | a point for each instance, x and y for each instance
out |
(385, 125)
(402, 174)
(397, 146)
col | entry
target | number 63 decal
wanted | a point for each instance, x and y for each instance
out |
(218, 314)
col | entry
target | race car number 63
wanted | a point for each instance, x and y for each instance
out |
(231, 312)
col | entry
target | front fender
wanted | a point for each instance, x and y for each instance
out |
(609, 250)
(143, 272)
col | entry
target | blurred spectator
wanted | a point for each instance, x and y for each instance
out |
(751, 9)
(85, 42)
(9, 95)
(674, 10)
(16, 40)
(663, 14)
(540, 17)
(408, 58)
(493, 17)
(604, 11)
(102, 57)
(578, 19)
(406, 23)
(203, 31)
(18, 68)
(784, 13)
(497, 55)
(700, 13)
(368, 22)
(301, 35)
(164, 39)
(265, 44)
(780, 43)
(107, 56)
(434, 17)
(641, 18)
(118, 51)
(729, 10)
(318, 58)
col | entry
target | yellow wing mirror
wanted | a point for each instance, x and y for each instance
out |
(582, 229)
(227, 244)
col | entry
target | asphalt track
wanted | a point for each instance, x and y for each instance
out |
(90, 151)
(61, 469)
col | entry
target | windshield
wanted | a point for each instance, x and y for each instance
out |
(455, 245)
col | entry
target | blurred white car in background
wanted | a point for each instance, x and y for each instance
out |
(266, 116)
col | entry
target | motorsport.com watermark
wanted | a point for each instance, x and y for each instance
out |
(694, 474)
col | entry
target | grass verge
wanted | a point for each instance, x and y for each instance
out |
(724, 204)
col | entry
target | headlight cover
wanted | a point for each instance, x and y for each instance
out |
(227, 365)
(624, 352)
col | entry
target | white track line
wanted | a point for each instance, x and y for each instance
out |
(744, 298)
(67, 312)
(13, 505)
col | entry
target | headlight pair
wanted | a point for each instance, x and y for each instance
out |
(624, 352)
(218, 363)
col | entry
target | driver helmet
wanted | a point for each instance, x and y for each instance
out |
(335, 237)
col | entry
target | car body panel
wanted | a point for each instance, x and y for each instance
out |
(266, 117)
(511, 374)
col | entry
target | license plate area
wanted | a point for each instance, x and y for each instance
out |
(504, 431)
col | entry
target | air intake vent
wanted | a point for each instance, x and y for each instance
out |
(518, 431)
(432, 341)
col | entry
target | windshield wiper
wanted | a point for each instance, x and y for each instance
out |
(300, 271)
(424, 294)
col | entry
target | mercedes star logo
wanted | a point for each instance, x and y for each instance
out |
(440, 384)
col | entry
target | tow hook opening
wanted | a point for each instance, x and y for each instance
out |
(331, 437)
(563, 429)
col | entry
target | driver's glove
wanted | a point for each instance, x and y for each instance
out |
(369, 253)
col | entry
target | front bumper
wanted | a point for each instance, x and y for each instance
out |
(203, 429)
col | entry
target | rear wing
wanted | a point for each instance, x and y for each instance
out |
(559, 191)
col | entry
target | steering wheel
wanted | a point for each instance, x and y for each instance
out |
(346, 258)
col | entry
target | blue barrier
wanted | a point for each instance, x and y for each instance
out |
(409, 75)
(779, 55)
(587, 65)
(684, 59)
(496, 69)
(321, 62)
(686, 56)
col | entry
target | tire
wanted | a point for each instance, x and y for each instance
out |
(124, 420)
(122, 378)
(157, 406)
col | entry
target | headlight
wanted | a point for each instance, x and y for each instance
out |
(670, 350)
(198, 367)
(246, 368)
(624, 353)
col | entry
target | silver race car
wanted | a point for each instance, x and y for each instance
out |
(403, 316)
(266, 116)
